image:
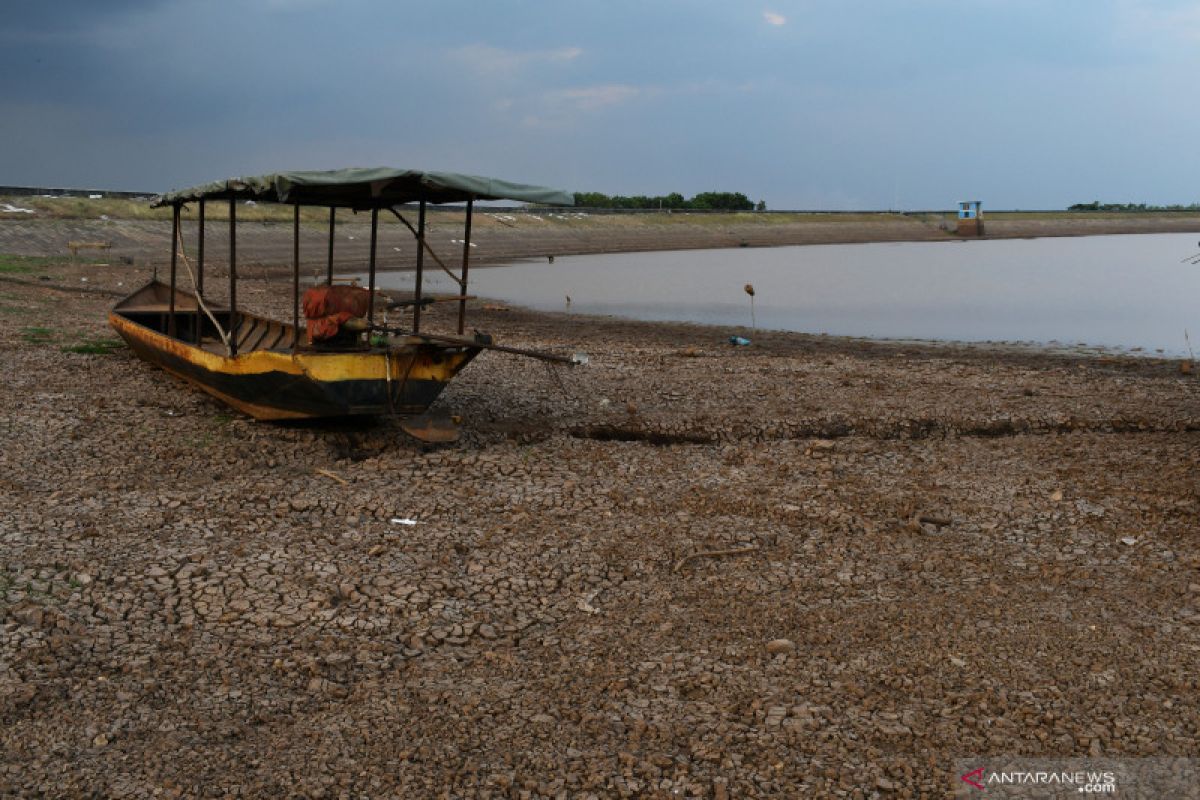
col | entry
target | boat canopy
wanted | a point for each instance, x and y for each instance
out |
(365, 188)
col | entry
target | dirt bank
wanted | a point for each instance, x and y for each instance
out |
(967, 551)
(265, 238)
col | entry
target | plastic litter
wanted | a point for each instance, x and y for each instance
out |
(739, 341)
(403, 521)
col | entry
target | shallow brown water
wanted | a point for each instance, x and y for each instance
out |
(1114, 292)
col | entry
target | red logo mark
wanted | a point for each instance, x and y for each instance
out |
(975, 773)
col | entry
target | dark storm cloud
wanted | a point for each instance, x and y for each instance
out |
(56, 50)
(813, 103)
(51, 17)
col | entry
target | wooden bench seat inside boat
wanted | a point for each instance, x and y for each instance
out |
(253, 332)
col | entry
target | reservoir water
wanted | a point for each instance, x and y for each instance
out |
(1124, 293)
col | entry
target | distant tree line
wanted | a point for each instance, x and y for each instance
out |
(1096, 205)
(719, 201)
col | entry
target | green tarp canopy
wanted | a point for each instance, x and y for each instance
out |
(363, 188)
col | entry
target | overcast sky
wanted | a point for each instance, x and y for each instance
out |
(801, 103)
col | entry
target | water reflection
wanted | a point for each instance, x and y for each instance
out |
(1121, 292)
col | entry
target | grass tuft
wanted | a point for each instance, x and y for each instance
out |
(37, 335)
(95, 347)
(15, 265)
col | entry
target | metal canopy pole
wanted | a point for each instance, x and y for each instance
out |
(420, 269)
(200, 274)
(296, 278)
(200, 254)
(329, 274)
(371, 279)
(174, 259)
(233, 328)
(462, 301)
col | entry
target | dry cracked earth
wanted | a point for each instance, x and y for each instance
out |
(806, 568)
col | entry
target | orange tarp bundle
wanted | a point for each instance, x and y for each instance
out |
(327, 307)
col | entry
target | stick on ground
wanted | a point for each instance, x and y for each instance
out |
(333, 475)
(736, 551)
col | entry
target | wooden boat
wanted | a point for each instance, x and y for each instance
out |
(274, 370)
(271, 378)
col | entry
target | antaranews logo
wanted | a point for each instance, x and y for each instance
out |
(997, 777)
(1077, 780)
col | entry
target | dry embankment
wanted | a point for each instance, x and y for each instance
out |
(140, 235)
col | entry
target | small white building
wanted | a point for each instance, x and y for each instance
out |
(970, 218)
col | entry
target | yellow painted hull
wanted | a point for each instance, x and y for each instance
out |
(278, 384)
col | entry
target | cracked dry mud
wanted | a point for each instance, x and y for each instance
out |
(811, 567)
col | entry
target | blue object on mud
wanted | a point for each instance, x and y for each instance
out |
(738, 341)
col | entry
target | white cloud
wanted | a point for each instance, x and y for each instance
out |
(1144, 20)
(562, 108)
(489, 60)
(719, 86)
(594, 98)
(774, 19)
(288, 5)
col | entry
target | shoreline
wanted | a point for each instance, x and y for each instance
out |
(105, 279)
(104, 284)
(116, 280)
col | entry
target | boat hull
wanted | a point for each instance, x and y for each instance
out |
(279, 385)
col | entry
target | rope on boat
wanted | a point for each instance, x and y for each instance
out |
(428, 249)
(196, 290)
